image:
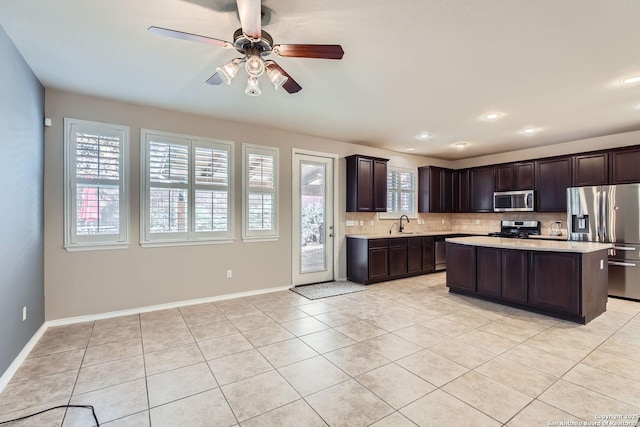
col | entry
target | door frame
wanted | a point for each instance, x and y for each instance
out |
(294, 249)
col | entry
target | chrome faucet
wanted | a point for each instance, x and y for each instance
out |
(402, 226)
(391, 228)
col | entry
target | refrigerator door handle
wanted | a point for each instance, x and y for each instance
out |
(623, 248)
(622, 264)
(603, 215)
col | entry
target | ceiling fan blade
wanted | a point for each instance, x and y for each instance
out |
(250, 12)
(188, 36)
(290, 85)
(215, 80)
(324, 51)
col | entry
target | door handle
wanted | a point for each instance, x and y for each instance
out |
(623, 248)
(622, 264)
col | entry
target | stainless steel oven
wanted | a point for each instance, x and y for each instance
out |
(513, 201)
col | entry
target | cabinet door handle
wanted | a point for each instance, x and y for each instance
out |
(623, 248)
(622, 264)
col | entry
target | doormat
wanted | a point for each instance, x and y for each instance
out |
(328, 289)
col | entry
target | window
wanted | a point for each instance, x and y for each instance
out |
(260, 195)
(401, 192)
(186, 189)
(95, 192)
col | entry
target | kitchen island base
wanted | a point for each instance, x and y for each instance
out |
(571, 285)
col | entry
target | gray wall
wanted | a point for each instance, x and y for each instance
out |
(22, 204)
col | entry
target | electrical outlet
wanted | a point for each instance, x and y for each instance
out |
(477, 222)
(229, 274)
(442, 221)
(24, 313)
(361, 223)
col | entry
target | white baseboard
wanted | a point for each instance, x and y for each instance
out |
(17, 362)
(147, 309)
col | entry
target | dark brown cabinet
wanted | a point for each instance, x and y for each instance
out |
(553, 177)
(398, 257)
(414, 255)
(463, 276)
(366, 184)
(567, 285)
(428, 255)
(489, 269)
(555, 281)
(435, 189)
(515, 176)
(461, 191)
(624, 166)
(515, 275)
(481, 188)
(590, 169)
(377, 260)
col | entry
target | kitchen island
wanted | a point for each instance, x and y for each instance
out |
(560, 278)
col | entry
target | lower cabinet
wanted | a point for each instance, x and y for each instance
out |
(463, 276)
(489, 269)
(562, 284)
(397, 257)
(554, 282)
(377, 260)
(515, 270)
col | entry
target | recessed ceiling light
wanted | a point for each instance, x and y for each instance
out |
(491, 116)
(630, 80)
(529, 131)
(461, 145)
(423, 135)
(411, 149)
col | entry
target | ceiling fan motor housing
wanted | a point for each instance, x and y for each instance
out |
(244, 44)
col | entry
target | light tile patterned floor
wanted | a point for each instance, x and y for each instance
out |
(403, 353)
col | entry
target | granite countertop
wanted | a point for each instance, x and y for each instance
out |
(548, 237)
(531, 245)
(410, 234)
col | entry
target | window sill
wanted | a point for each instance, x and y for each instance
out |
(95, 247)
(185, 243)
(395, 216)
(260, 239)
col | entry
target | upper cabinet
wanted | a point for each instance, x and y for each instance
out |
(481, 187)
(366, 184)
(624, 165)
(435, 189)
(553, 177)
(590, 169)
(461, 191)
(515, 176)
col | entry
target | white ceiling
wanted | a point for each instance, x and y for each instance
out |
(409, 66)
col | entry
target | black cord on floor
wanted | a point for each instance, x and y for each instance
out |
(51, 409)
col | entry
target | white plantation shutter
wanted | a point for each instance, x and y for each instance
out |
(96, 203)
(186, 188)
(260, 192)
(212, 189)
(401, 191)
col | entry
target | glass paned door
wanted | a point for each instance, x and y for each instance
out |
(313, 223)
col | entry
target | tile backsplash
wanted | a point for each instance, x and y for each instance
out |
(481, 223)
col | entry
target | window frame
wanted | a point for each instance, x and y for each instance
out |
(393, 214)
(73, 241)
(191, 236)
(260, 235)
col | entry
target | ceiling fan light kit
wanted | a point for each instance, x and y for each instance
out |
(255, 44)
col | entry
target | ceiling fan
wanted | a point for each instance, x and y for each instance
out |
(255, 44)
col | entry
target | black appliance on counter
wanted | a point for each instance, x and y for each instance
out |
(517, 229)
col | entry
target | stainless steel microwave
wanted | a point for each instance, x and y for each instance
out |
(513, 201)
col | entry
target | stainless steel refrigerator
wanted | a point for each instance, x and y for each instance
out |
(610, 214)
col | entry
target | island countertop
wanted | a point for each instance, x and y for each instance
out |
(531, 245)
